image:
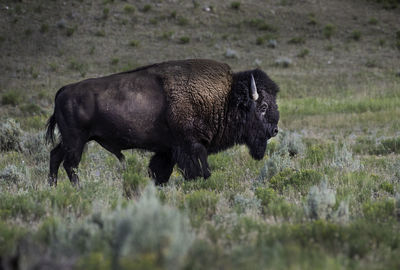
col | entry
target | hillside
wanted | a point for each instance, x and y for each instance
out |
(326, 195)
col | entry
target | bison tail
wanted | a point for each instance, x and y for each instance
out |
(51, 125)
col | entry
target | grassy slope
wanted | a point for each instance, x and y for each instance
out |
(339, 112)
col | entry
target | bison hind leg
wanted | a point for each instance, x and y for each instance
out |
(161, 166)
(56, 157)
(192, 160)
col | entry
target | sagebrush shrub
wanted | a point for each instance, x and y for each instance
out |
(124, 236)
(291, 143)
(10, 136)
(11, 174)
(274, 165)
(343, 159)
(320, 202)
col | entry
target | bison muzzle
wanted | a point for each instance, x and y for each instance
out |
(180, 110)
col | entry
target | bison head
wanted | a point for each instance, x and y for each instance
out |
(259, 106)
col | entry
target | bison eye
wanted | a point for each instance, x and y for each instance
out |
(263, 108)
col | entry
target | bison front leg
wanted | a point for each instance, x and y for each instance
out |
(160, 167)
(192, 160)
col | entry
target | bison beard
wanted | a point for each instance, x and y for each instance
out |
(180, 110)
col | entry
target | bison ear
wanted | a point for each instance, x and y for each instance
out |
(253, 88)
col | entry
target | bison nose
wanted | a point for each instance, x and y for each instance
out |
(274, 132)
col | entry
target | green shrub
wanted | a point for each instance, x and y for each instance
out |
(129, 9)
(387, 146)
(235, 5)
(380, 211)
(303, 53)
(146, 8)
(356, 35)
(297, 40)
(312, 20)
(27, 206)
(69, 31)
(266, 195)
(300, 180)
(220, 161)
(373, 21)
(260, 41)
(202, 205)
(9, 238)
(10, 136)
(316, 154)
(386, 186)
(182, 21)
(100, 33)
(133, 178)
(114, 61)
(134, 43)
(328, 30)
(184, 40)
(81, 67)
(44, 28)
(106, 12)
(31, 109)
(11, 98)
(261, 25)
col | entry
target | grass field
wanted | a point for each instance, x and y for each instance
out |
(325, 196)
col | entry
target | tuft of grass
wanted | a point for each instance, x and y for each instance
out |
(328, 31)
(235, 5)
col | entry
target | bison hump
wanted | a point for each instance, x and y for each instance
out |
(197, 92)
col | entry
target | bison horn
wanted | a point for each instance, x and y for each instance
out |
(254, 93)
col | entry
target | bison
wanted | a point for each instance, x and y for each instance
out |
(180, 110)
